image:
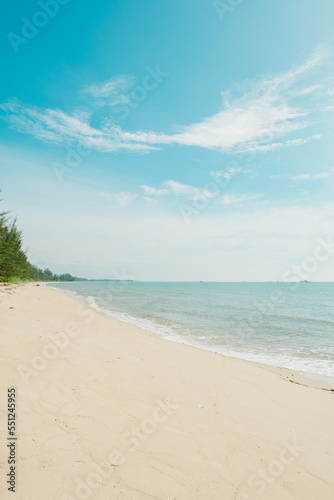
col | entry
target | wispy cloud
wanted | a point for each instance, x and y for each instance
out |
(299, 142)
(226, 174)
(190, 192)
(307, 176)
(314, 177)
(58, 127)
(237, 200)
(307, 90)
(277, 145)
(176, 188)
(152, 191)
(252, 122)
(111, 92)
(171, 187)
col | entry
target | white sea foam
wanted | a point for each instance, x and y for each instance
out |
(278, 348)
(186, 336)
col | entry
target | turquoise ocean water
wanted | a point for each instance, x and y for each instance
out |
(282, 324)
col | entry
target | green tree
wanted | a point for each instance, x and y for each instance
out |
(13, 260)
(47, 275)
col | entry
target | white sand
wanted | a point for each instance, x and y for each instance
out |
(120, 413)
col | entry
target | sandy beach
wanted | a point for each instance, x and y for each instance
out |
(106, 410)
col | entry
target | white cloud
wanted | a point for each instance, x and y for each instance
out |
(307, 176)
(299, 142)
(111, 92)
(252, 122)
(307, 90)
(171, 187)
(226, 174)
(58, 127)
(177, 188)
(174, 188)
(314, 177)
(151, 191)
(190, 192)
(246, 123)
(236, 200)
(278, 145)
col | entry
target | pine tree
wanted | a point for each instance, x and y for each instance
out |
(13, 260)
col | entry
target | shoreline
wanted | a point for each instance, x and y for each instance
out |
(150, 417)
(327, 381)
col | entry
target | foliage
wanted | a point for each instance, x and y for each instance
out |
(14, 265)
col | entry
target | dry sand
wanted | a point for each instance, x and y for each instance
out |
(115, 412)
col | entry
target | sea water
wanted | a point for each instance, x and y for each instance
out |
(289, 325)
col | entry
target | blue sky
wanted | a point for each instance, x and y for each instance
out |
(171, 140)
